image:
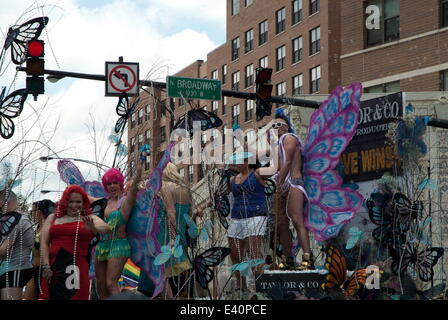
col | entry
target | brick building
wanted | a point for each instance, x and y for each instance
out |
(312, 46)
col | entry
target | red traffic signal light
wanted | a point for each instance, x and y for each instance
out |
(263, 83)
(35, 48)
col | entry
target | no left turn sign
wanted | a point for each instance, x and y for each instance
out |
(121, 77)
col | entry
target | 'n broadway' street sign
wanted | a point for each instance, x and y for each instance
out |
(192, 88)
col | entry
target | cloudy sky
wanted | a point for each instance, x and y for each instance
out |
(80, 36)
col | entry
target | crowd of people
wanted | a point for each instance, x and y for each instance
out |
(46, 255)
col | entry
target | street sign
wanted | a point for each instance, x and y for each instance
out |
(122, 77)
(193, 88)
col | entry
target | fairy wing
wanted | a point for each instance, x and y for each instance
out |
(331, 129)
(209, 258)
(7, 222)
(95, 189)
(18, 37)
(70, 173)
(10, 108)
(143, 226)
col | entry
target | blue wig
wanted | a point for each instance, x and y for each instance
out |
(280, 114)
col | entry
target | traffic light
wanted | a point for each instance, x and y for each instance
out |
(264, 91)
(35, 68)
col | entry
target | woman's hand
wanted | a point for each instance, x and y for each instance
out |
(88, 220)
(47, 274)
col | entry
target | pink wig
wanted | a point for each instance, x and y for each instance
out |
(112, 175)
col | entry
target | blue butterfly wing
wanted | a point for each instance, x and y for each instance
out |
(70, 173)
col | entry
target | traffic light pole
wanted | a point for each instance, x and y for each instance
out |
(438, 123)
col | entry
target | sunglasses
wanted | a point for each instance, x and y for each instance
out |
(278, 124)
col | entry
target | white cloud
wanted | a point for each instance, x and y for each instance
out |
(82, 39)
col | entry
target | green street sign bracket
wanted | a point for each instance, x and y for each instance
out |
(193, 88)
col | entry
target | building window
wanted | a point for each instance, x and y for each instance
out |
(296, 11)
(132, 144)
(248, 2)
(140, 141)
(314, 6)
(263, 32)
(190, 174)
(249, 41)
(148, 137)
(182, 172)
(147, 163)
(384, 88)
(297, 46)
(263, 62)
(249, 110)
(235, 114)
(389, 25)
(215, 107)
(190, 146)
(214, 75)
(147, 112)
(444, 12)
(297, 85)
(249, 80)
(235, 7)
(444, 80)
(163, 108)
(224, 105)
(315, 79)
(281, 89)
(314, 40)
(203, 139)
(213, 135)
(224, 129)
(140, 116)
(162, 134)
(133, 120)
(280, 16)
(224, 74)
(281, 53)
(236, 81)
(235, 48)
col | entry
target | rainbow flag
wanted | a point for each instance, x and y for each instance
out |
(129, 275)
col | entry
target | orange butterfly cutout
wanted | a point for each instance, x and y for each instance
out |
(336, 264)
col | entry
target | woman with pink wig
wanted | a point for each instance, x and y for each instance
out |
(113, 250)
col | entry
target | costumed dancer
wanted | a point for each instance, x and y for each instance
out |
(174, 203)
(292, 190)
(40, 210)
(16, 243)
(66, 236)
(249, 212)
(113, 250)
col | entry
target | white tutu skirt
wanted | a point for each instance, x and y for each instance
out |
(249, 227)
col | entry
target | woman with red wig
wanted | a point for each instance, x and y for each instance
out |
(114, 249)
(66, 236)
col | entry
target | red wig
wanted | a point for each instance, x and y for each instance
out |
(63, 202)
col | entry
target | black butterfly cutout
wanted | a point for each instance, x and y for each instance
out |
(7, 223)
(263, 109)
(208, 120)
(98, 207)
(424, 260)
(222, 204)
(270, 187)
(18, 38)
(209, 258)
(10, 108)
(124, 111)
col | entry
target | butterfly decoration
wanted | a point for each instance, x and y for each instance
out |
(70, 174)
(329, 205)
(245, 266)
(430, 184)
(143, 226)
(124, 111)
(195, 231)
(270, 187)
(409, 139)
(10, 108)
(410, 258)
(7, 223)
(168, 251)
(336, 264)
(7, 180)
(221, 200)
(209, 258)
(122, 150)
(207, 119)
(355, 235)
(18, 37)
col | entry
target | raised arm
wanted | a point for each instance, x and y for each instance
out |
(289, 145)
(96, 224)
(168, 202)
(131, 197)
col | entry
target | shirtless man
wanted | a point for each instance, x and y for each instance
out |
(291, 188)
